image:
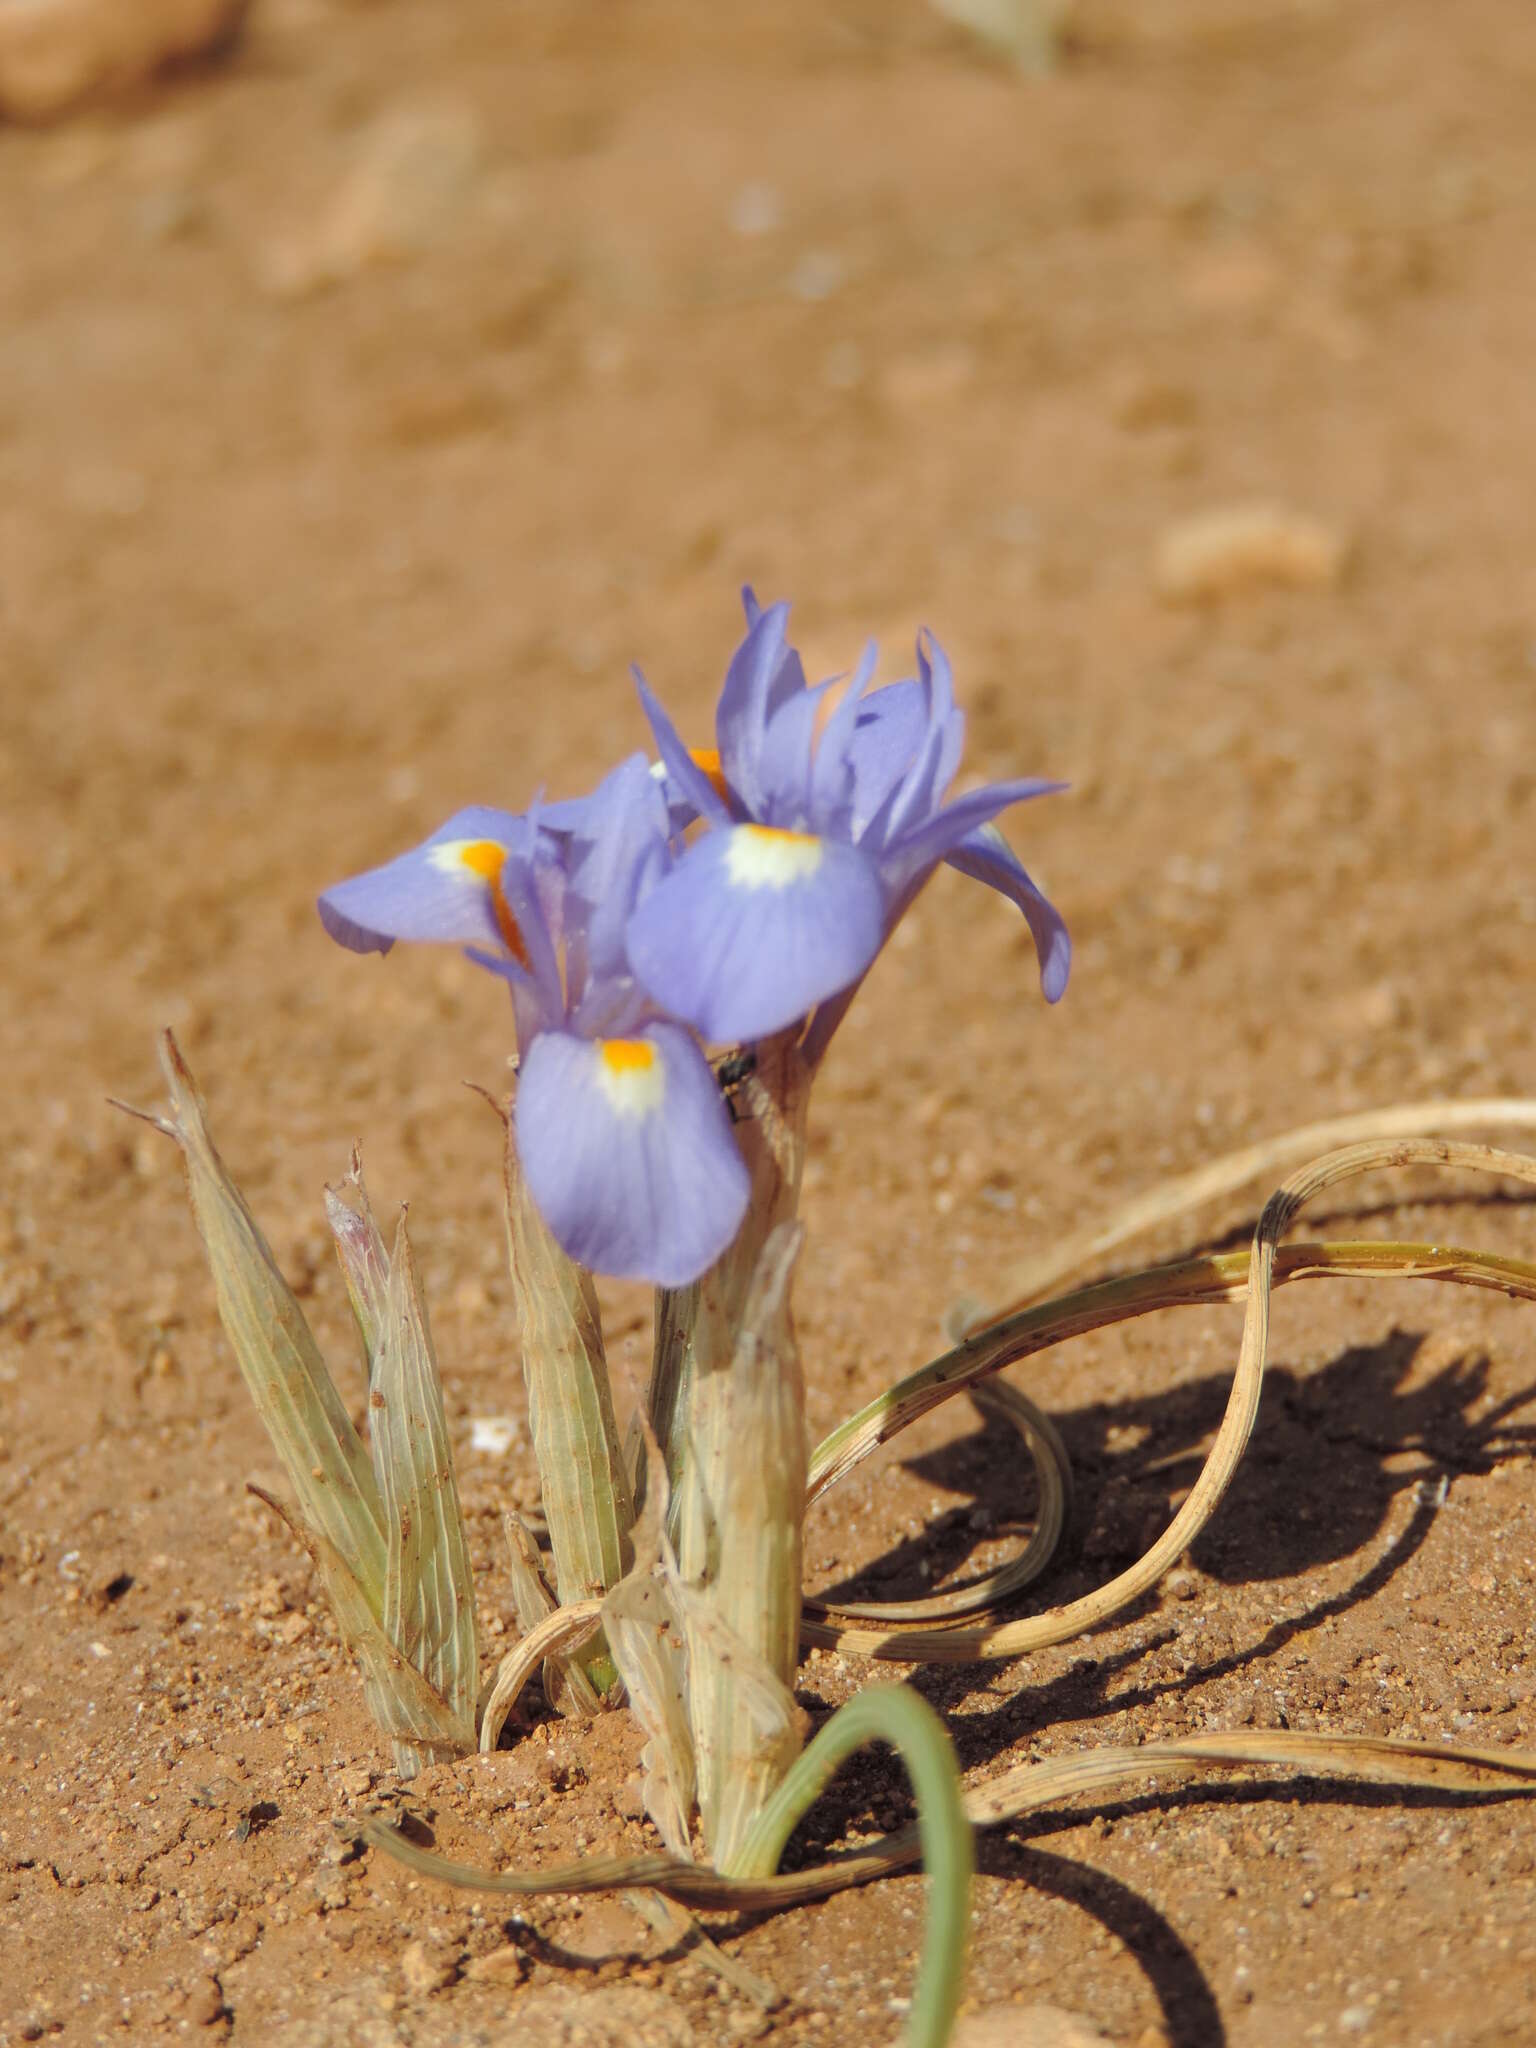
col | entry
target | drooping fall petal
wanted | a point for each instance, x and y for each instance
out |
(754, 927)
(628, 1152)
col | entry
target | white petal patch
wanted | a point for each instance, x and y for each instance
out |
(468, 860)
(765, 857)
(630, 1074)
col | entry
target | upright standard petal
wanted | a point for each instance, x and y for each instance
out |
(448, 889)
(833, 779)
(986, 856)
(629, 1153)
(883, 747)
(696, 779)
(754, 927)
(786, 758)
(616, 856)
(764, 673)
(937, 756)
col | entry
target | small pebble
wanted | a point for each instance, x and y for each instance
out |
(205, 2002)
(629, 1800)
(427, 1969)
(1242, 547)
(494, 1435)
(501, 1966)
(55, 54)
(1027, 2026)
(329, 1889)
(756, 209)
(409, 177)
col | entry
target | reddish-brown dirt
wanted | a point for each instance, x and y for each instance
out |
(336, 494)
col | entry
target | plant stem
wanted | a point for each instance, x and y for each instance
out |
(901, 1717)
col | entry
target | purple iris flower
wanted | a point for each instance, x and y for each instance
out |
(825, 816)
(621, 1129)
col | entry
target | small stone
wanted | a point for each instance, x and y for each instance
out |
(1026, 2026)
(501, 1966)
(410, 173)
(205, 2005)
(1182, 1585)
(493, 1435)
(605, 1929)
(1260, 1710)
(355, 1781)
(629, 1800)
(427, 1969)
(756, 209)
(1240, 547)
(55, 54)
(818, 274)
(329, 1889)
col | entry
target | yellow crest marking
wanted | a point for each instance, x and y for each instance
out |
(630, 1075)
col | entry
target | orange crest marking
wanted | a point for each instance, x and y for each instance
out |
(628, 1055)
(708, 759)
(486, 858)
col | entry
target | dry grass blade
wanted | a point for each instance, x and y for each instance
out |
(695, 1884)
(566, 1686)
(677, 1925)
(409, 1710)
(1033, 1788)
(321, 1453)
(1200, 1282)
(1382, 1759)
(562, 1632)
(992, 1349)
(741, 1607)
(645, 1637)
(643, 1623)
(429, 1592)
(361, 1255)
(1053, 1478)
(1034, 1278)
(587, 1497)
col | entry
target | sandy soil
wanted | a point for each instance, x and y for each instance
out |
(366, 405)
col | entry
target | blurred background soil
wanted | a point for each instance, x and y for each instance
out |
(369, 399)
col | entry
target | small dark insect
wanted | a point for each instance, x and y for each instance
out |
(735, 1068)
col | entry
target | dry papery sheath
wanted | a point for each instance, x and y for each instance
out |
(384, 1526)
